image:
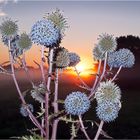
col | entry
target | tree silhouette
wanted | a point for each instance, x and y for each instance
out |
(131, 42)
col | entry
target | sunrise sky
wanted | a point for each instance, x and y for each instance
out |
(86, 20)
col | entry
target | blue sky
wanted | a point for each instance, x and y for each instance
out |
(87, 19)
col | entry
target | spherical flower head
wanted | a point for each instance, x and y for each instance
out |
(23, 109)
(24, 41)
(97, 53)
(108, 91)
(77, 103)
(58, 19)
(45, 33)
(8, 28)
(62, 58)
(107, 111)
(16, 50)
(107, 43)
(122, 57)
(74, 59)
(38, 93)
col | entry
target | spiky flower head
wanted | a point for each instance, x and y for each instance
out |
(108, 91)
(45, 33)
(24, 41)
(74, 59)
(122, 57)
(15, 49)
(107, 111)
(58, 19)
(8, 28)
(62, 58)
(77, 103)
(97, 53)
(23, 109)
(38, 93)
(107, 43)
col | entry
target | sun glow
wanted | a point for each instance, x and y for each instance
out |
(80, 68)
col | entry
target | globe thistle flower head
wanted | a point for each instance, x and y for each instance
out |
(107, 111)
(122, 57)
(97, 53)
(62, 58)
(108, 91)
(107, 43)
(45, 33)
(16, 50)
(23, 109)
(8, 28)
(58, 19)
(74, 59)
(38, 93)
(24, 41)
(77, 103)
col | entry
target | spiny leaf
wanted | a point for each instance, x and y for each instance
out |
(73, 131)
(68, 120)
(25, 92)
(53, 115)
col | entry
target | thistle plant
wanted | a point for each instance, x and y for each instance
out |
(74, 59)
(9, 28)
(48, 33)
(77, 103)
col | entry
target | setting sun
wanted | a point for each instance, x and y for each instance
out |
(80, 67)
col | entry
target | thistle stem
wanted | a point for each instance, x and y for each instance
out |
(98, 72)
(44, 82)
(55, 104)
(42, 65)
(116, 73)
(47, 94)
(104, 69)
(97, 78)
(87, 87)
(99, 130)
(26, 69)
(83, 128)
(32, 117)
(100, 79)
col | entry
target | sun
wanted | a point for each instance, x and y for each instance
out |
(80, 68)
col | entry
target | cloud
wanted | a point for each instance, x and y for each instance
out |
(2, 4)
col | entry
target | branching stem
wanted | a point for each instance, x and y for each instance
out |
(32, 117)
(99, 130)
(82, 127)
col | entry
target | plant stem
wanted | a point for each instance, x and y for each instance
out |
(42, 65)
(100, 79)
(104, 69)
(26, 69)
(55, 104)
(44, 82)
(116, 73)
(32, 117)
(87, 87)
(99, 130)
(83, 128)
(97, 78)
(47, 94)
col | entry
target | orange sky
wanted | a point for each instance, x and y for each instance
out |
(34, 53)
(87, 20)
